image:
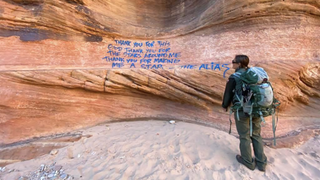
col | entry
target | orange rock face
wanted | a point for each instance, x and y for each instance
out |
(66, 65)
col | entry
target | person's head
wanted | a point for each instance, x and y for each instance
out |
(240, 61)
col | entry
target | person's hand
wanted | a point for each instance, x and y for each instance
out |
(226, 109)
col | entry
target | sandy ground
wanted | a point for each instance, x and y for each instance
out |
(160, 150)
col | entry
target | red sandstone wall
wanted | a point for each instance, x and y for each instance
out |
(54, 78)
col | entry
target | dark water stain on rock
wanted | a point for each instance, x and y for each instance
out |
(32, 34)
(84, 9)
(24, 2)
(75, 2)
(32, 5)
(93, 38)
(25, 34)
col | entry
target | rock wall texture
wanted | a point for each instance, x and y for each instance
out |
(54, 77)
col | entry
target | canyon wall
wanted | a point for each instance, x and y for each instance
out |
(71, 64)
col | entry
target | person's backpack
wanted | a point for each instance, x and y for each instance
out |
(255, 96)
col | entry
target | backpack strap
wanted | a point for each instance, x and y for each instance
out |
(274, 127)
(232, 109)
(250, 113)
(240, 100)
(237, 74)
(238, 118)
(261, 117)
(276, 103)
(250, 125)
(230, 120)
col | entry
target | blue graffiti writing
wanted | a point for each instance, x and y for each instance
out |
(129, 50)
(114, 48)
(174, 55)
(151, 51)
(217, 67)
(189, 66)
(117, 65)
(137, 44)
(112, 59)
(151, 66)
(204, 66)
(132, 55)
(113, 53)
(213, 66)
(152, 55)
(132, 65)
(123, 43)
(164, 50)
(227, 68)
(145, 61)
(131, 60)
(150, 44)
(155, 55)
(166, 61)
(166, 43)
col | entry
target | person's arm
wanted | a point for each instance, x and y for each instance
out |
(228, 93)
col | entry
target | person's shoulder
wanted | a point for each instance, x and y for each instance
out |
(235, 75)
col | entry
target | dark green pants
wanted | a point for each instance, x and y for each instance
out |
(243, 128)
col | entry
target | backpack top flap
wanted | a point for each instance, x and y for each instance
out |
(254, 75)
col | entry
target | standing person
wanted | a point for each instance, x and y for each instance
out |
(233, 87)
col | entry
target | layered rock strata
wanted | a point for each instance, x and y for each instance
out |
(54, 77)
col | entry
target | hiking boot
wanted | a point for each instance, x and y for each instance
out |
(263, 169)
(241, 161)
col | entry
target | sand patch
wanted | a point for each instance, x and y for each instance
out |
(160, 150)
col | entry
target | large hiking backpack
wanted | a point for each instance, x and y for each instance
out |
(255, 96)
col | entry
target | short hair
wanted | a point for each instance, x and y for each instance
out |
(243, 60)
